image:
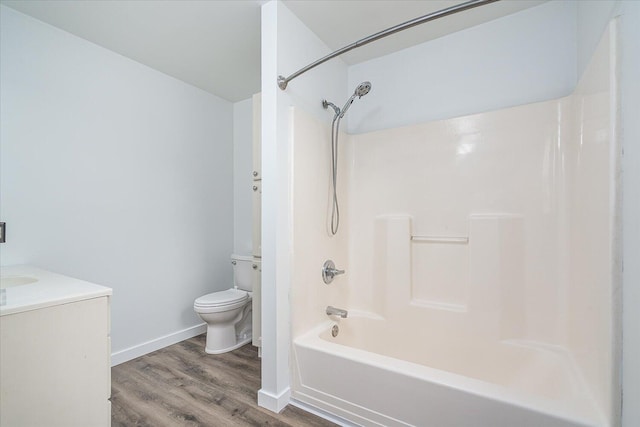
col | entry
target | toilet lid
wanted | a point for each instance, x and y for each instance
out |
(216, 299)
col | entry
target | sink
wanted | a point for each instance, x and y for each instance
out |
(27, 288)
(9, 281)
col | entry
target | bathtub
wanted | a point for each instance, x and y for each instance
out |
(428, 380)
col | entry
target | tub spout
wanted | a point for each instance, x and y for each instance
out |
(332, 311)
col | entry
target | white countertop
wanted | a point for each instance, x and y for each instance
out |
(48, 290)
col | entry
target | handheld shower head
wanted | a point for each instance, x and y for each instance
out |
(362, 89)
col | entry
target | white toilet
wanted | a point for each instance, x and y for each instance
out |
(228, 313)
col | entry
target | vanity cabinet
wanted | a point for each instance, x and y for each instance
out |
(55, 357)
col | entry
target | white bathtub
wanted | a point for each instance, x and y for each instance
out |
(416, 380)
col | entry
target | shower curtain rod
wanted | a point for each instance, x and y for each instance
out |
(283, 81)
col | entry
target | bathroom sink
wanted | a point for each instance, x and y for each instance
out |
(9, 281)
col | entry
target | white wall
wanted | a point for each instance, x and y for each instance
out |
(630, 133)
(592, 18)
(287, 45)
(242, 179)
(521, 58)
(117, 174)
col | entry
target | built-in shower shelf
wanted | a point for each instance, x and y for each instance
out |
(440, 239)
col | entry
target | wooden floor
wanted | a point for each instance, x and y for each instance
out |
(181, 385)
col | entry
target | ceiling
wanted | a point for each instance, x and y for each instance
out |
(215, 44)
(339, 23)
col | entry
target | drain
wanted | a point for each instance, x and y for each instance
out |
(334, 331)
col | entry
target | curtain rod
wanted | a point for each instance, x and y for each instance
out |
(284, 81)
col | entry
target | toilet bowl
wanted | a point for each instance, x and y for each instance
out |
(228, 313)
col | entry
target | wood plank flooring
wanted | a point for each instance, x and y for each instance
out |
(181, 385)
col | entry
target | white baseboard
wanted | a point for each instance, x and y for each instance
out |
(272, 402)
(323, 414)
(156, 344)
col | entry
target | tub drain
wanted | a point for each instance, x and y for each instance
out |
(334, 331)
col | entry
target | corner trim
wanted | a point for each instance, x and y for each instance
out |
(272, 402)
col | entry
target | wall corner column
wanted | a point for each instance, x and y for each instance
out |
(275, 391)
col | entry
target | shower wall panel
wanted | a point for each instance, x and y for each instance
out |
(591, 171)
(312, 241)
(474, 238)
(497, 226)
(497, 170)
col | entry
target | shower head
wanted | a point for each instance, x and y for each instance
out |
(362, 89)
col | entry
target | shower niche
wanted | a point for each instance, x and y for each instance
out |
(452, 272)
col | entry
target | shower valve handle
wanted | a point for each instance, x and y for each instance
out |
(329, 271)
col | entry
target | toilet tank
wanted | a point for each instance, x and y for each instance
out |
(242, 272)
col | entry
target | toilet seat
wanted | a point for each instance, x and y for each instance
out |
(222, 300)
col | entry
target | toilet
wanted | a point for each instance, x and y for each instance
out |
(228, 313)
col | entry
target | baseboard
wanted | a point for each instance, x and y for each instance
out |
(272, 402)
(147, 347)
(323, 414)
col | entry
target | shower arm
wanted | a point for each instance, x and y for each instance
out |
(284, 81)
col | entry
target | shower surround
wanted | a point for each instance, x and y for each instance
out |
(481, 266)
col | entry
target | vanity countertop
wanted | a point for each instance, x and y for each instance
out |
(25, 288)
